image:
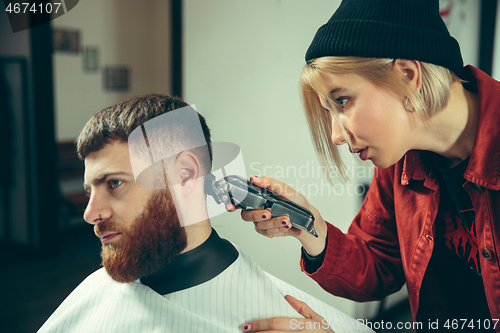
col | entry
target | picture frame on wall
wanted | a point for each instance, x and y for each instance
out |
(66, 40)
(116, 78)
(90, 59)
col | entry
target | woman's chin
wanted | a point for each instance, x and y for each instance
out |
(382, 164)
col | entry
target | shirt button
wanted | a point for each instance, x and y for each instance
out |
(487, 254)
(476, 188)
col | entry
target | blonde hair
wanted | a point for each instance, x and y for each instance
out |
(432, 97)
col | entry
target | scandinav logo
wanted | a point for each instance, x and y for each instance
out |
(25, 14)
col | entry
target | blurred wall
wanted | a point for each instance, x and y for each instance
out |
(130, 33)
(496, 50)
(462, 18)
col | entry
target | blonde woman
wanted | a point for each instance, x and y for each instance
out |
(386, 78)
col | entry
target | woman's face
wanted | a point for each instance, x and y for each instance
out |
(374, 118)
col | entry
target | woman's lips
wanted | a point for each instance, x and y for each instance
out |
(363, 154)
(109, 237)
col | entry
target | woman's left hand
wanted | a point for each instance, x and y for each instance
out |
(312, 322)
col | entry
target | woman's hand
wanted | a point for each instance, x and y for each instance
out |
(281, 226)
(312, 321)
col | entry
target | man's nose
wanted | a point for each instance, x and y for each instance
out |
(96, 211)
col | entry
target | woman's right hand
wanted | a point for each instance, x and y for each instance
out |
(280, 226)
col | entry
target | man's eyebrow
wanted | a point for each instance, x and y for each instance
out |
(102, 178)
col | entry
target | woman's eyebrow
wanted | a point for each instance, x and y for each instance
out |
(336, 91)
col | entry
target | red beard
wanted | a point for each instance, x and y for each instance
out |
(154, 239)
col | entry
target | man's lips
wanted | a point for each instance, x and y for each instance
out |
(108, 236)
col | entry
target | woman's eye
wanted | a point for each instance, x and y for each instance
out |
(115, 183)
(342, 101)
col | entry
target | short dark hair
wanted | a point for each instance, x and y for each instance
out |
(118, 121)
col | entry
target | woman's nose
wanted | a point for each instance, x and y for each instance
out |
(337, 133)
(338, 138)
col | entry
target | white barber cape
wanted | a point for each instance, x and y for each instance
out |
(240, 293)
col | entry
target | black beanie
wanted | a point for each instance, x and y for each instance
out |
(405, 29)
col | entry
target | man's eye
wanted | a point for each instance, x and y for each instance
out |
(115, 183)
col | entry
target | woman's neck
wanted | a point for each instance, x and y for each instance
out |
(451, 131)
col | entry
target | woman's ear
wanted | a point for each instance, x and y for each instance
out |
(411, 72)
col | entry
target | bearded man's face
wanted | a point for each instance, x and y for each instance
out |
(139, 228)
(154, 239)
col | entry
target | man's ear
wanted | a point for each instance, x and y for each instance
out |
(411, 72)
(187, 171)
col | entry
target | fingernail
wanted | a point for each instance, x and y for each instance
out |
(264, 216)
(283, 222)
(287, 226)
(246, 328)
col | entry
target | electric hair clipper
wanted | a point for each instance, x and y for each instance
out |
(247, 196)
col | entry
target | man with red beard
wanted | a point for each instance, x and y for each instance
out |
(165, 268)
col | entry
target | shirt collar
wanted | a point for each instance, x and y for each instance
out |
(414, 168)
(484, 163)
(194, 267)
